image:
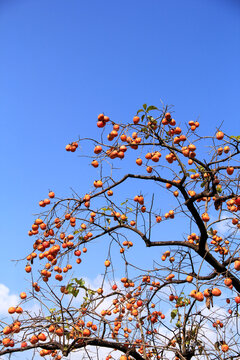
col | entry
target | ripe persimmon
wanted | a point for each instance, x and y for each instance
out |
(23, 295)
(224, 347)
(97, 149)
(168, 116)
(6, 342)
(19, 310)
(136, 119)
(28, 268)
(98, 183)
(123, 137)
(101, 117)
(33, 339)
(216, 292)
(219, 135)
(42, 337)
(230, 170)
(193, 293)
(59, 331)
(199, 296)
(38, 221)
(100, 124)
(237, 265)
(51, 328)
(205, 217)
(7, 330)
(51, 194)
(95, 163)
(237, 299)
(107, 263)
(228, 281)
(155, 158)
(123, 357)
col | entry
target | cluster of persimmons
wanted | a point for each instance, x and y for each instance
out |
(132, 319)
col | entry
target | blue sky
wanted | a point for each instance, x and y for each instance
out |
(63, 62)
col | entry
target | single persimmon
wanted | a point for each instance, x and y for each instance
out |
(136, 119)
(219, 135)
(23, 295)
(216, 292)
(107, 263)
(237, 265)
(139, 162)
(224, 347)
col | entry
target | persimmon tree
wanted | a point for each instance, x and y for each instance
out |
(161, 184)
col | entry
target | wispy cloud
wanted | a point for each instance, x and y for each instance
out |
(7, 299)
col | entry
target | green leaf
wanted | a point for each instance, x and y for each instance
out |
(140, 110)
(69, 288)
(151, 107)
(142, 117)
(203, 184)
(144, 130)
(80, 282)
(178, 324)
(192, 170)
(145, 106)
(210, 231)
(75, 292)
(91, 292)
(179, 299)
(173, 314)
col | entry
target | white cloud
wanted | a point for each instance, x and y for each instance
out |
(7, 299)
